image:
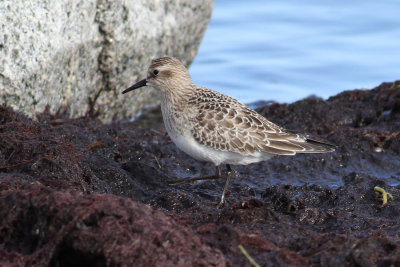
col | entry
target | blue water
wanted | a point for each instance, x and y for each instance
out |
(287, 50)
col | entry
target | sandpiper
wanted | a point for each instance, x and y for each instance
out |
(210, 126)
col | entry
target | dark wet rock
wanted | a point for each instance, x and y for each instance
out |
(72, 190)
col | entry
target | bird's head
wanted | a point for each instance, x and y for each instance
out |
(166, 74)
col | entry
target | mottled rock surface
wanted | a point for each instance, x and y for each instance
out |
(76, 57)
(77, 191)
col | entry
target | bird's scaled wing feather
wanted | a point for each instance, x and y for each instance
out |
(227, 125)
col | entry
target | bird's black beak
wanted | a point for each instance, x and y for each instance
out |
(136, 86)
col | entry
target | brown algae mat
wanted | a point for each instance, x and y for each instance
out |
(77, 192)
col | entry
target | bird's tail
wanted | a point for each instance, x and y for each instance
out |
(317, 147)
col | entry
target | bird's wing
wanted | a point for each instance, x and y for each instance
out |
(225, 124)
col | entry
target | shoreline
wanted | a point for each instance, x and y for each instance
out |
(79, 190)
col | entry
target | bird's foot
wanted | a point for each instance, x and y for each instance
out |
(217, 204)
(189, 180)
(221, 204)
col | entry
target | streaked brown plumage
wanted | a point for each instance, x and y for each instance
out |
(210, 126)
(229, 125)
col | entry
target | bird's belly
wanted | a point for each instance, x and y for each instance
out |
(202, 153)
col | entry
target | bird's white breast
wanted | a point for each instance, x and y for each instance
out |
(203, 153)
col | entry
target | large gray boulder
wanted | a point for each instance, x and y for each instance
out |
(77, 56)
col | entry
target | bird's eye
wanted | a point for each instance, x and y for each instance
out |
(155, 72)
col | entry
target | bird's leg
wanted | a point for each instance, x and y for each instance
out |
(189, 180)
(228, 180)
